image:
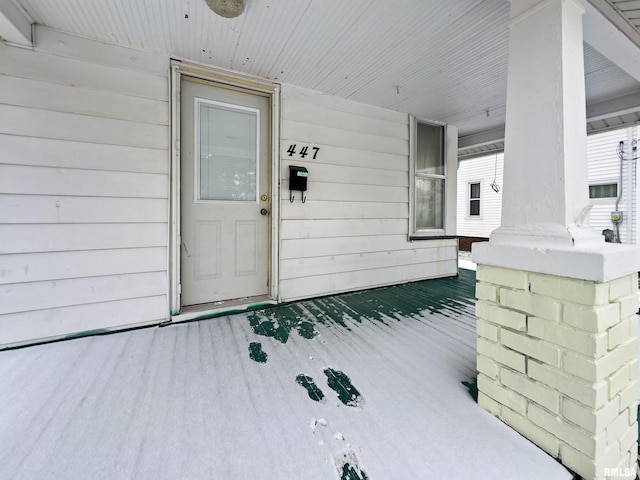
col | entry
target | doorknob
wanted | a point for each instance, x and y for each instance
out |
(264, 211)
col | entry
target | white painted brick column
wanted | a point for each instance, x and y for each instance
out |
(557, 361)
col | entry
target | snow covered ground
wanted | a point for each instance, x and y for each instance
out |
(464, 260)
(234, 398)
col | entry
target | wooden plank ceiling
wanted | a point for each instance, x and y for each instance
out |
(444, 61)
(629, 9)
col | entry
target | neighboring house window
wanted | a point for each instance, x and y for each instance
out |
(603, 191)
(429, 175)
(474, 199)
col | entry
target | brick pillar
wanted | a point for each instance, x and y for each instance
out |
(557, 361)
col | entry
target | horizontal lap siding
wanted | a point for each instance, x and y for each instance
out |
(84, 188)
(326, 246)
(351, 233)
(64, 237)
(37, 267)
(81, 209)
(47, 152)
(31, 180)
(604, 167)
(35, 122)
(65, 321)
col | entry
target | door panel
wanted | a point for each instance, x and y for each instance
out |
(224, 174)
(208, 243)
(247, 246)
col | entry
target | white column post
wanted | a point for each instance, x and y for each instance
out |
(557, 328)
(545, 102)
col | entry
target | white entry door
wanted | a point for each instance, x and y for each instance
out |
(224, 145)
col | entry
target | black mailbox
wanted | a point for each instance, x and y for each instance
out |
(297, 181)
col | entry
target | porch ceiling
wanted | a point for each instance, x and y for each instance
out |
(444, 61)
(204, 400)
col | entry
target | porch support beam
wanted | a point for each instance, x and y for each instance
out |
(482, 138)
(15, 26)
(617, 106)
(611, 35)
(602, 110)
(545, 175)
(557, 330)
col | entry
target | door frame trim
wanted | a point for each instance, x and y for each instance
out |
(237, 82)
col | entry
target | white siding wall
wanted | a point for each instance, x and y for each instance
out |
(481, 169)
(84, 163)
(352, 231)
(84, 192)
(604, 167)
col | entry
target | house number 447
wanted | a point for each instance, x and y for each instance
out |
(303, 152)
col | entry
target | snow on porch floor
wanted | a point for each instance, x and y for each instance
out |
(360, 385)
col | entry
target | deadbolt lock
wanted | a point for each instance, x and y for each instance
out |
(263, 198)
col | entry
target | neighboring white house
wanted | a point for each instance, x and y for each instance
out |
(479, 205)
(480, 187)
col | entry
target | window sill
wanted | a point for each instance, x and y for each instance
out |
(419, 237)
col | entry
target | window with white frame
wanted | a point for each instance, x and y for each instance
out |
(429, 175)
(473, 199)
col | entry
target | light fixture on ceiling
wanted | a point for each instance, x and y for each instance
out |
(227, 8)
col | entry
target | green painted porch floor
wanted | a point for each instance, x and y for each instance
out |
(365, 385)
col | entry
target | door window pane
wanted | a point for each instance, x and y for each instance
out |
(429, 206)
(429, 158)
(228, 152)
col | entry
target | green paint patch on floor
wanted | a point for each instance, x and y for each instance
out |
(88, 333)
(306, 330)
(340, 383)
(472, 386)
(348, 468)
(310, 385)
(280, 322)
(349, 472)
(256, 353)
(446, 296)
